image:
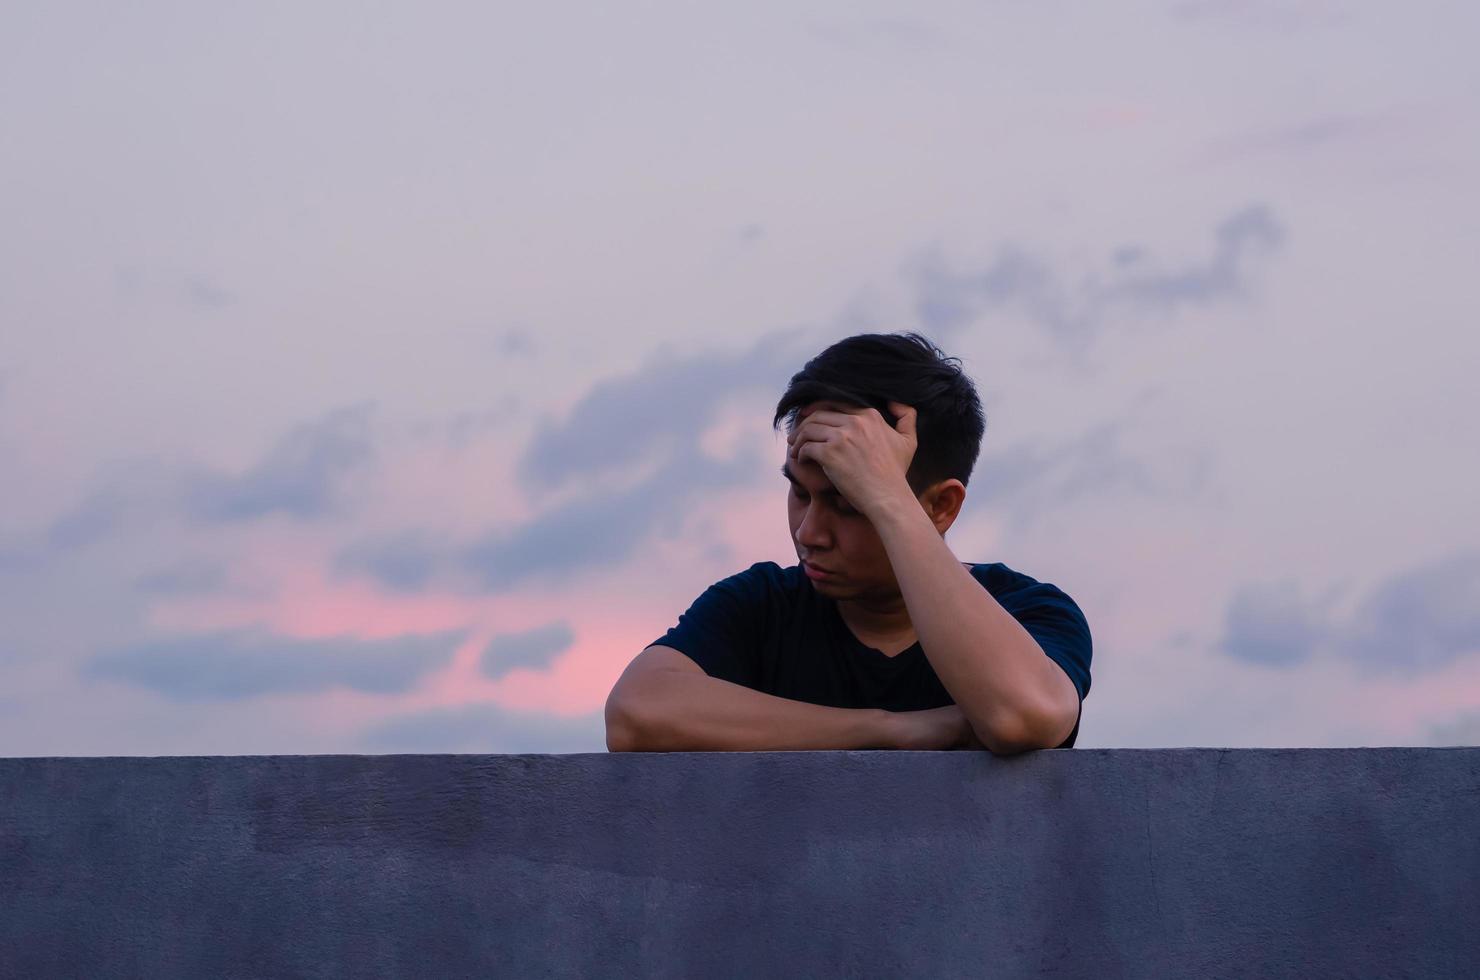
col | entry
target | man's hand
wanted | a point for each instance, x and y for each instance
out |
(934, 728)
(865, 459)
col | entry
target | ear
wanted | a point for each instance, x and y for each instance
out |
(942, 502)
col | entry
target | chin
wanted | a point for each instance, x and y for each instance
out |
(833, 590)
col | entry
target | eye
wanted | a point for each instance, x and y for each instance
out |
(844, 508)
(796, 491)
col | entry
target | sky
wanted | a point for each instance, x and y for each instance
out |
(382, 379)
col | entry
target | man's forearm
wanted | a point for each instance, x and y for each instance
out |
(1013, 695)
(682, 711)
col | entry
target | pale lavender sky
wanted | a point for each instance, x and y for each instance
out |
(383, 380)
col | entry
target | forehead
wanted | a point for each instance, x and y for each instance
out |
(809, 474)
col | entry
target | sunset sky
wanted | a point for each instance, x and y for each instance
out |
(383, 379)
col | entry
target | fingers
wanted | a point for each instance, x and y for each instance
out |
(906, 414)
(836, 419)
(814, 439)
(827, 425)
(829, 420)
(844, 419)
(809, 430)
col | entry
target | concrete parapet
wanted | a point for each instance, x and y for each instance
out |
(1102, 863)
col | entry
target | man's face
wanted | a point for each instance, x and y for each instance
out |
(831, 535)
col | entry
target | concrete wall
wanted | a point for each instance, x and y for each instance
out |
(1103, 863)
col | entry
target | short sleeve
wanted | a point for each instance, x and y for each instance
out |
(1055, 621)
(722, 630)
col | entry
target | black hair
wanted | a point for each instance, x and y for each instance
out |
(870, 370)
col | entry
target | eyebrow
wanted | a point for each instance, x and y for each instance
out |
(786, 472)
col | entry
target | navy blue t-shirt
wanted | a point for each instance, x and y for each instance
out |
(768, 629)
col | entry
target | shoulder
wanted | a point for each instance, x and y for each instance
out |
(1053, 619)
(764, 581)
(765, 573)
(1014, 589)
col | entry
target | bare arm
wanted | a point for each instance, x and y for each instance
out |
(664, 702)
(1016, 697)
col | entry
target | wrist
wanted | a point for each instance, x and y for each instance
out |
(901, 513)
(884, 725)
(893, 507)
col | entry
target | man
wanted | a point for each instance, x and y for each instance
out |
(879, 638)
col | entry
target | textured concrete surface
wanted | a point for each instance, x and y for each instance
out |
(1102, 863)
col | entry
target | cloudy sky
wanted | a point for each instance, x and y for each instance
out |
(384, 379)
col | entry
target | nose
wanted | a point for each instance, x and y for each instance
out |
(813, 533)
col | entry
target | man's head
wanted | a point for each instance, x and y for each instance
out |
(870, 371)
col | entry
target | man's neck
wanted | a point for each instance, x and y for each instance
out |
(877, 619)
(886, 618)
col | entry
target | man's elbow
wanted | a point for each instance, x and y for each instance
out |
(621, 731)
(1004, 742)
(635, 723)
(619, 740)
(1023, 731)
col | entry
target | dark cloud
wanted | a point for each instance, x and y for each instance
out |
(602, 529)
(1419, 619)
(407, 561)
(129, 493)
(1270, 624)
(487, 728)
(657, 415)
(661, 408)
(96, 516)
(532, 648)
(1237, 243)
(301, 475)
(946, 300)
(1319, 132)
(201, 292)
(195, 577)
(592, 532)
(516, 343)
(250, 663)
(1033, 478)
(463, 429)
